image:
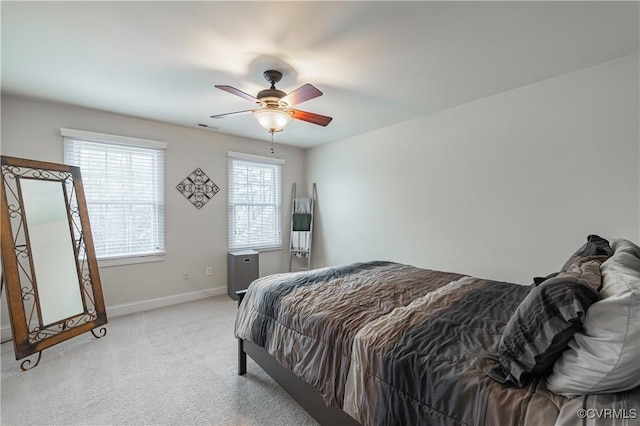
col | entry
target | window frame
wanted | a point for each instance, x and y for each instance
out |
(277, 243)
(125, 141)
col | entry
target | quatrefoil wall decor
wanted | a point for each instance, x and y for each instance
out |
(198, 188)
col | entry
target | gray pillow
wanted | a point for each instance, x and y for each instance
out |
(546, 320)
(595, 246)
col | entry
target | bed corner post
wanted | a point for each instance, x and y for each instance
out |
(242, 355)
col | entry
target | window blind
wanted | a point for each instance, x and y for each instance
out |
(254, 202)
(123, 181)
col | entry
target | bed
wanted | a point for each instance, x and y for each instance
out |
(383, 343)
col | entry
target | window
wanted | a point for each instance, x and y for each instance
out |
(255, 202)
(123, 180)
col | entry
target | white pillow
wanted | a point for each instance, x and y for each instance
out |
(604, 357)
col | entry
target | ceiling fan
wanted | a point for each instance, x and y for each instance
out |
(275, 111)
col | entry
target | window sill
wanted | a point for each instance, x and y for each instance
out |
(107, 263)
(262, 250)
(258, 249)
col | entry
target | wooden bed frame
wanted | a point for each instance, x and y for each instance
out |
(304, 394)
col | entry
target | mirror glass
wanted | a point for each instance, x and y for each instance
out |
(54, 260)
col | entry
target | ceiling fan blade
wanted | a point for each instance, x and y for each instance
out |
(237, 92)
(301, 94)
(231, 113)
(321, 120)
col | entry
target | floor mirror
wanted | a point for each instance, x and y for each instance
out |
(49, 268)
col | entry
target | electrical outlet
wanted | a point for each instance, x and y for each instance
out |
(209, 270)
(185, 274)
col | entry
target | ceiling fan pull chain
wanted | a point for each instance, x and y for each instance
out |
(272, 150)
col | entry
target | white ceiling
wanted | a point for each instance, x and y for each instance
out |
(378, 63)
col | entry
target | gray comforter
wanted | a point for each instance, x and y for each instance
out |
(393, 344)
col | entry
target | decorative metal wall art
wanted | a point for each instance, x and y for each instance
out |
(198, 188)
(48, 260)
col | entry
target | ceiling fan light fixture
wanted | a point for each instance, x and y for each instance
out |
(272, 120)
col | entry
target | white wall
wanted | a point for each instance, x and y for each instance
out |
(195, 238)
(506, 187)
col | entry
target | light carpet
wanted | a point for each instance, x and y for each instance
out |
(169, 366)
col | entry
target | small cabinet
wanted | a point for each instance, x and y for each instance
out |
(242, 269)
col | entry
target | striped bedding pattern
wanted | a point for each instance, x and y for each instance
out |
(392, 344)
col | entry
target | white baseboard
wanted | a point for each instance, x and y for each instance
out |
(144, 305)
(5, 333)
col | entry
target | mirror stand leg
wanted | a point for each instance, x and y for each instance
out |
(26, 364)
(101, 330)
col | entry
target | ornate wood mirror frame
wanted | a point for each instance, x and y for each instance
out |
(48, 261)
